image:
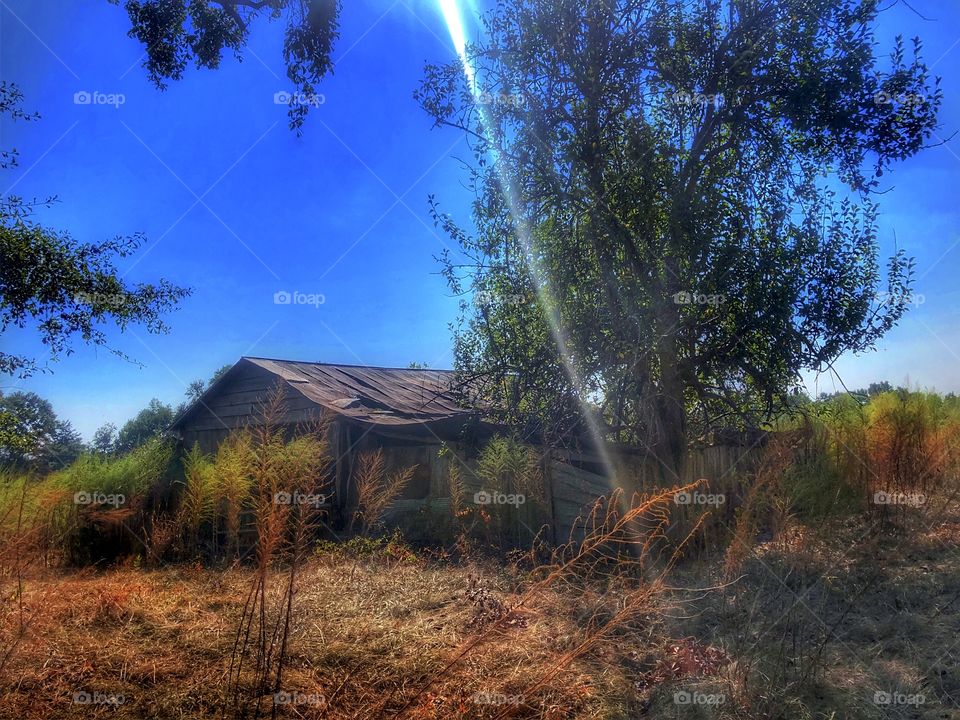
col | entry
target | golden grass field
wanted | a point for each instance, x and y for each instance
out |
(809, 628)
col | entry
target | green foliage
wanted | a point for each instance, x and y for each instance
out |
(65, 503)
(237, 489)
(199, 387)
(105, 438)
(862, 394)
(149, 423)
(129, 475)
(233, 473)
(88, 526)
(63, 287)
(506, 465)
(657, 234)
(815, 483)
(392, 547)
(852, 447)
(217, 490)
(32, 437)
(198, 501)
(173, 32)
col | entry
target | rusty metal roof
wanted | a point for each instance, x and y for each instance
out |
(383, 396)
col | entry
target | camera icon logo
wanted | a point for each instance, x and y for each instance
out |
(482, 498)
(281, 97)
(683, 498)
(282, 298)
(682, 697)
(282, 498)
(82, 98)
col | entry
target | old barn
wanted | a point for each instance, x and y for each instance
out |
(411, 414)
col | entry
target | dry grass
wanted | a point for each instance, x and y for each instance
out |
(366, 630)
(821, 621)
(389, 636)
(803, 612)
(376, 490)
(162, 639)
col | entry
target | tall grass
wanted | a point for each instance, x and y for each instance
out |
(217, 491)
(625, 551)
(102, 502)
(288, 482)
(377, 489)
(234, 480)
(509, 467)
(858, 454)
(198, 501)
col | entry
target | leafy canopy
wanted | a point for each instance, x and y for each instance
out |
(680, 215)
(149, 423)
(62, 287)
(32, 437)
(174, 32)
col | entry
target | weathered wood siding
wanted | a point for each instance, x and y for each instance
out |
(572, 481)
(575, 489)
(237, 403)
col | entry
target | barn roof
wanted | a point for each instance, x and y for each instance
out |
(376, 395)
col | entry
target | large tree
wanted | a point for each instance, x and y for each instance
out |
(674, 210)
(149, 423)
(33, 437)
(62, 287)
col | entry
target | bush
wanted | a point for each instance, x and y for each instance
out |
(853, 447)
(95, 509)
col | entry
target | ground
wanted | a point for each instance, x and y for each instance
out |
(843, 620)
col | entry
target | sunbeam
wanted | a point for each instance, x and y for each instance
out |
(454, 21)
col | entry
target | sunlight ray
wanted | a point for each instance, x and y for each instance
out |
(454, 21)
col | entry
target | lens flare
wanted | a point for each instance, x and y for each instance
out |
(454, 21)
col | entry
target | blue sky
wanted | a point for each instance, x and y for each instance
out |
(237, 207)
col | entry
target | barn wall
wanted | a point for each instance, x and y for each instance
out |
(576, 482)
(572, 481)
(427, 487)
